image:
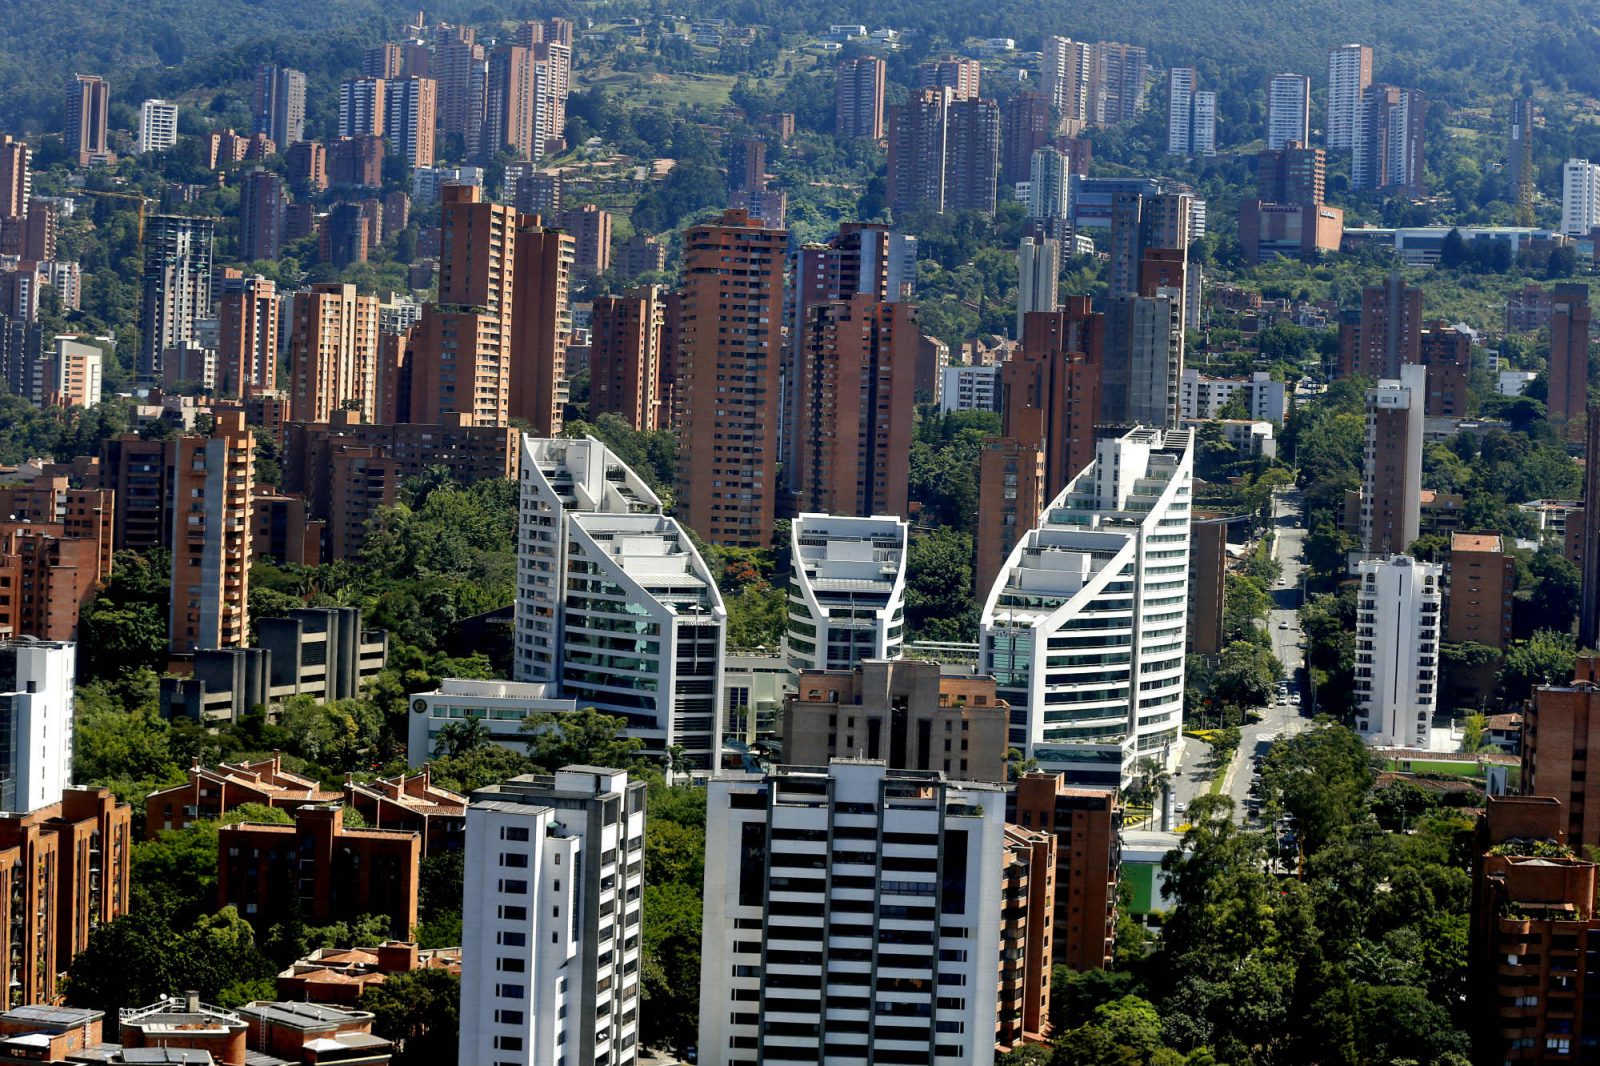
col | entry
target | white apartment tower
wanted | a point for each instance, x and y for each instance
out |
(1580, 197)
(847, 591)
(158, 125)
(1064, 66)
(1038, 277)
(1049, 184)
(361, 107)
(614, 604)
(1349, 74)
(850, 917)
(1288, 110)
(1397, 650)
(1084, 628)
(37, 684)
(1191, 115)
(551, 910)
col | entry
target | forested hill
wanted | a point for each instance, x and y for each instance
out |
(1456, 47)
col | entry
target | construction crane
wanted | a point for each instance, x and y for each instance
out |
(140, 200)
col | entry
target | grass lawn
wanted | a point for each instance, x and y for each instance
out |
(667, 91)
(1447, 769)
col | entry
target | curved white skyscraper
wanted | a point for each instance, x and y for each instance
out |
(847, 598)
(1084, 628)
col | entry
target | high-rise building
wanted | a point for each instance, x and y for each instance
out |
(1084, 824)
(1569, 351)
(747, 164)
(1589, 558)
(957, 73)
(590, 229)
(731, 338)
(1288, 111)
(1191, 114)
(803, 931)
(1118, 79)
(1011, 495)
(75, 374)
(1482, 578)
(410, 111)
(1109, 556)
(1038, 277)
(383, 61)
(552, 902)
(361, 107)
(1519, 157)
(1049, 185)
(1026, 125)
(84, 136)
(158, 125)
(456, 58)
(333, 352)
(1292, 173)
(858, 98)
(262, 207)
(905, 712)
(1349, 74)
(1142, 220)
(1142, 373)
(541, 322)
(357, 161)
(533, 191)
(213, 478)
(510, 104)
(1026, 957)
(847, 592)
(1389, 151)
(1065, 66)
(1057, 372)
(1208, 571)
(1580, 197)
(37, 684)
(628, 333)
(1558, 725)
(176, 286)
(247, 350)
(972, 155)
(587, 518)
(1388, 333)
(1446, 351)
(855, 406)
(1391, 476)
(16, 181)
(918, 152)
(306, 163)
(278, 105)
(1397, 650)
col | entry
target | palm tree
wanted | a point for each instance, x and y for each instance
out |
(461, 737)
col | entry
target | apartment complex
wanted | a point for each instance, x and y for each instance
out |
(858, 98)
(84, 134)
(553, 900)
(213, 479)
(1570, 319)
(1083, 629)
(1398, 610)
(176, 287)
(847, 590)
(1580, 197)
(211, 792)
(1085, 825)
(1191, 114)
(1482, 579)
(278, 105)
(1201, 396)
(944, 153)
(1391, 474)
(1558, 727)
(627, 352)
(37, 684)
(869, 890)
(1349, 74)
(1288, 110)
(1389, 151)
(158, 125)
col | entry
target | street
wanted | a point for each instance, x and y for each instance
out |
(1194, 777)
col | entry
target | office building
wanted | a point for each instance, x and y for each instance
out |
(247, 352)
(957, 73)
(904, 713)
(16, 181)
(1391, 476)
(1446, 352)
(176, 286)
(278, 105)
(319, 870)
(1204, 397)
(1191, 115)
(410, 109)
(361, 107)
(847, 591)
(211, 546)
(1049, 185)
(1085, 826)
(552, 902)
(1580, 197)
(1288, 110)
(333, 352)
(1397, 650)
(1349, 74)
(1389, 152)
(1482, 578)
(1387, 335)
(158, 125)
(589, 227)
(1120, 526)
(1569, 351)
(263, 204)
(1064, 72)
(64, 871)
(727, 462)
(854, 926)
(584, 512)
(969, 388)
(1038, 275)
(37, 684)
(855, 406)
(1026, 125)
(1533, 931)
(84, 135)
(500, 705)
(858, 93)
(625, 361)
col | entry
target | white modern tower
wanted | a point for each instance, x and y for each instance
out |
(615, 607)
(1038, 277)
(1288, 110)
(158, 125)
(1064, 66)
(1191, 115)
(37, 684)
(1084, 628)
(1397, 650)
(1049, 184)
(552, 903)
(847, 591)
(1580, 197)
(1349, 74)
(851, 917)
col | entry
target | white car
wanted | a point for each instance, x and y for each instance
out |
(1295, 699)
(1283, 625)
(1179, 808)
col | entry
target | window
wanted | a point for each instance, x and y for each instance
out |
(510, 965)
(514, 832)
(508, 1043)
(513, 914)
(508, 1017)
(514, 860)
(508, 991)
(512, 940)
(514, 888)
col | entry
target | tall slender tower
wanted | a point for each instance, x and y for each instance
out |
(1519, 157)
(176, 286)
(211, 541)
(88, 98)
(1349, 74)
(858, 98)
(541, 321)
(279, 105)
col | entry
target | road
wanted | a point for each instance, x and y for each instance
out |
(1194, 776)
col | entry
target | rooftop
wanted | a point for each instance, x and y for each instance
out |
(1488, 543)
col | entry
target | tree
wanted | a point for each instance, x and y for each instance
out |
(1247, 676)
(419, 1011)
(1246, 606)
(1545, 658)
(461, 737)
(940, 604)
(1321, 777)
(579, 738)
(125, 626)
